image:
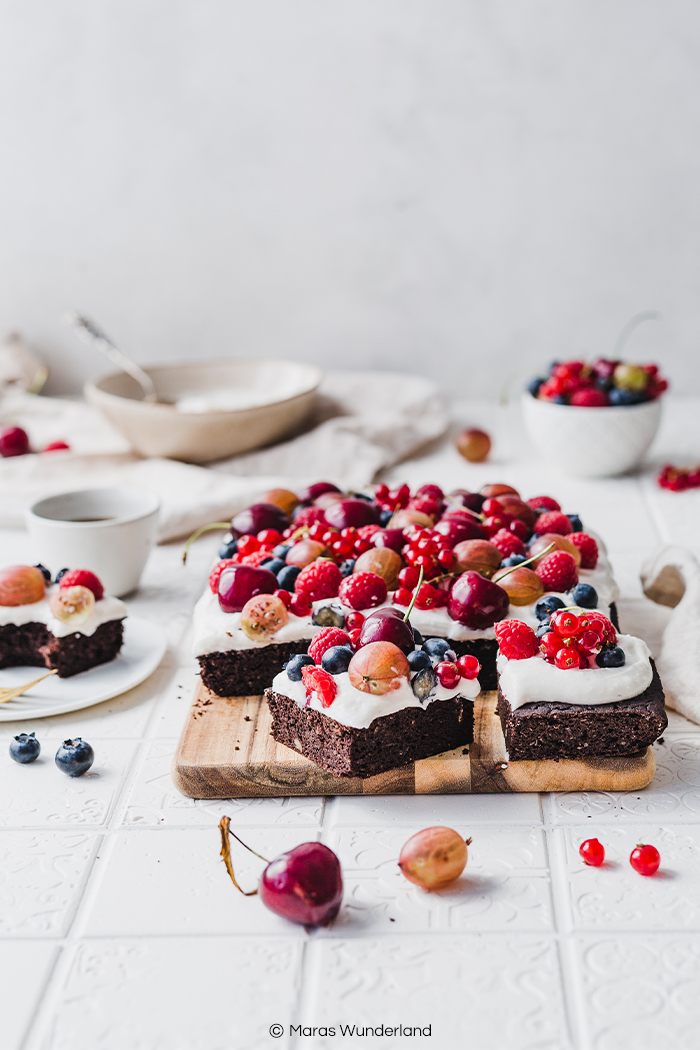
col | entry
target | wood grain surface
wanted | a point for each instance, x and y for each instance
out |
(226, 751)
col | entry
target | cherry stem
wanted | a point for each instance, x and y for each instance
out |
(199, 532)
(415, 595)
(634, 322)
(474, 513)
(468, 842)
(225, 828)
(522, 564)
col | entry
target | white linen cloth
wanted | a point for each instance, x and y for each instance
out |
(364, 421)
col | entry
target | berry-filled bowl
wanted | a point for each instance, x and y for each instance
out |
(207, 410)
(594, 420)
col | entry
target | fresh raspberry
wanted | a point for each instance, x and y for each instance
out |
(320, 579)
(558, 571)
(216, 572)
(542, 503)
(516, 640)
(300, 605)
(589, 397)
(256, 558)
(307, 516)
(588, 549)
(553, 521)
(363, 590)
(83, 578)
(507, 543)
(326, 638)
(320, 682)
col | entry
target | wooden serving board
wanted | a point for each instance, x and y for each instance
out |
(226, 751)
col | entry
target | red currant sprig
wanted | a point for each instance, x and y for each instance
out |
(592, 852)
(645, 859)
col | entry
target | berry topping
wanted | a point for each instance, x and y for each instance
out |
(320, 682)
(424, 681)
(336, 659)
(469, 667)
(328, 616)
(363, 590)
(262, 617)
(24, 748)
(558, 571)
(300, 605)
(13, 442)
(287, 577)
(645, 859)
(613, 657)
(418, 660)
(320, 579)
(326, 639)
(553, 521)
(589, 397)
(546, 606)
(567, 658)
(585, 596)
(238, 583)
(72, 605)
(21, 585)
(550, 644)
(83, 578)
(378, 668)
(516, 640)
(592, 852)
(507, 543)
(44, 572)
(448, 674)
(477, 602)
(540, 504)
(587, 547)
(294, 666)
(74, 757)
(565, 623)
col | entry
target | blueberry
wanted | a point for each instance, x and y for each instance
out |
(60, 574)
(293, 667)
(228, 548)
(273, 564)
(281, 551)
(576, 524)
(604, 382)
(328, 616)
(298, 509)
(385, 517)
(585, 596)
(417, 637)
(44, 572)
(423, 683)
(362, 495)
(436, 648)
(543, 628)
(546, 606)
(286, 577)
(513, 559)
(418, 660)
(619, 396)
(562, 399)
(614, 657)
(25, 747)
(534, 385)
(336, 659)
(347, 567)
(74, 757)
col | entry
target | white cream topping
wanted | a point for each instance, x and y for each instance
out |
(536, 681)
(217, 631)
(351, 707)
(108, 608)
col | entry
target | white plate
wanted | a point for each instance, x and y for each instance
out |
(142, 651)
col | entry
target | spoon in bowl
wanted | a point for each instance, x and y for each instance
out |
(89, 332)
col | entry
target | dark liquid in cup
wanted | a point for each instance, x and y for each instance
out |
(91, 519)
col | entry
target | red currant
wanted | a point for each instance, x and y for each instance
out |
(360, 546)
(409, 578)
(550, 644)
(330, 536)
(566, 624)
(491, 506)
(588, 640)
(269, 537)
(448, 674)
(349, 534)
(469, 667)
(300, 605)
(381, 492)
(592, 852)
(645, 859)
(354, 636)
(492, 524)
(402, 597)
(427, 597)
(519, 529)
(567, 659)
(317, 531)
(445, 559)
(248, 545)
(342, 549)
(284, 596)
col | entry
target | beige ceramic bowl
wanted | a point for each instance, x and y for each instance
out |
(233, 406)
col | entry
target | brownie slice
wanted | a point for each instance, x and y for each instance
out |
(247, 672)
(33, 645)
(554, 730)
(390, 741)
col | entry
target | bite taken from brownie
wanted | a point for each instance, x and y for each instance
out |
(580, 690)
(362, 712)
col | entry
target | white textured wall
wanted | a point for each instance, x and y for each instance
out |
(463, 187)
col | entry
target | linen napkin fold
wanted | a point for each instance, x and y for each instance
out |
(363, 422)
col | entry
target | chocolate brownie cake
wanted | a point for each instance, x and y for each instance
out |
(586, 691)
(330, 558)
(69, 626)
(365, 712)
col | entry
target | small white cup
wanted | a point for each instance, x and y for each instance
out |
(110, 531)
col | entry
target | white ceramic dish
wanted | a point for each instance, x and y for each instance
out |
(280, 396)
(591, 442)
(144, 646)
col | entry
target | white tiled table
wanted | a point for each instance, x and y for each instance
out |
(119, 928)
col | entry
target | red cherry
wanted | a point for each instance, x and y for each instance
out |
(360, 546)
(353, 620)
(491, 506)
(592, 852)
(519, 529)
(469, 667)
(645, 859)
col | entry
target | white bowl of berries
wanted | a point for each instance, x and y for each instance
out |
(594, 420)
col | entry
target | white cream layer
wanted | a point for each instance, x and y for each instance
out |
(536, 681)
(358, 710)
(216, 631)
(108, 608)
